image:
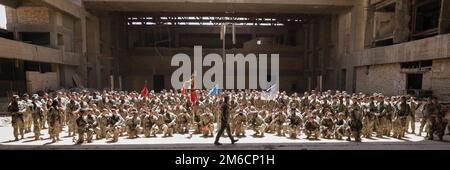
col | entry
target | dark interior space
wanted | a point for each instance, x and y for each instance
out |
(414, 81)
(213, 40)
(6, 34)
(417, 64)
(36, 38)
(37, 66)
(427, 13)
(12, 77)
(158, 82)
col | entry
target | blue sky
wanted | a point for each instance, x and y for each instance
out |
(2, 17)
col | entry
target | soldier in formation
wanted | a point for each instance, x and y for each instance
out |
(327, 115)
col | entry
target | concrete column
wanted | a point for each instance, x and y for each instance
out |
(81, 48)
(444, 19)
(358, 18)
(368, 41)
(11, 23)
(402, 19)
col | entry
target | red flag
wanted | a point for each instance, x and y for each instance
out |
(144, 91)
(183, 90)
(193, 95)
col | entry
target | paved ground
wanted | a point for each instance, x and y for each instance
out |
(181, 142)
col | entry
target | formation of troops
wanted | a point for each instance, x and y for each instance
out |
(327, 115)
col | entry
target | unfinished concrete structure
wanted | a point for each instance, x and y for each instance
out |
(389, 46)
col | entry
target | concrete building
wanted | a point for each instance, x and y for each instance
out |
(389, 46)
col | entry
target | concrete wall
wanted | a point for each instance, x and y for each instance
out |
(33, 15)
(436, 47)
(438, 79)
(386, 79)
(389, 79)
(143, 63)
(384, 22)
(74, 39)
(37, 81)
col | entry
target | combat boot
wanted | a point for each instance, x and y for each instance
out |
(430, 137)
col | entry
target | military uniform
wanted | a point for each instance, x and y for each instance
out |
(102, 128)
(16, 119)
(182, 122)
(38, 115)
(72, 110)
(169, 123)
(239, 124)
(133, 125)
(116, 123)
(355, 122)
(207, 124)
(399, 122)
(327, 127)
(159, 123)
(25, 107)
(312, 128)
(54, 122)
(368, 119)
(149, 125)
(44, 105)
(411, 118)
(341, 127)
(437, 121)
(425, 121)
(82, 126)
(295, 125)
(268, 119)
(382, 119)
(279, 123)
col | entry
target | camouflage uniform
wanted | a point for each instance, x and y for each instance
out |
(207, 124)
(149, 125)
(54, 122)
(72, 109)
(312, 128)
(27, 117)
(355, 122)
(159, 123)
(437, 121)
(399, 123)
(102, 129)
(84, 125)
(411, 118)
(37, 115)
(16, 118)
(116, 122)
(295, 125)
(182, 122)
(268, 119)
(279, 121)
(327, 127)
(44, 103)
(169, 123)
(381, 119)
(368, 120)
(133, 124)
(340, 129)
(239, 124)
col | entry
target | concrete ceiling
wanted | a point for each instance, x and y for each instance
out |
(219, 6)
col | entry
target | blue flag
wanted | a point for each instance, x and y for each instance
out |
(214, 91)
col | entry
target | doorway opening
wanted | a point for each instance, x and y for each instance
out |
(414, 81)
